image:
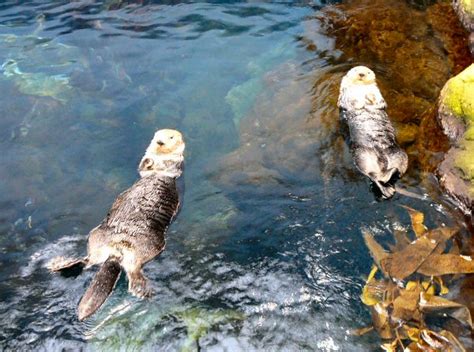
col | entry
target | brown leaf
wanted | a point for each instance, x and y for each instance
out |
(401, 264)
(445, 264)
(401, 240)
(381, 321)
(456, 345)
(460, 312)
(417, 219)
(377, 252)
(405, 306)
(411, 332)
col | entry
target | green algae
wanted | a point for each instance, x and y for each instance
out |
(458, 97)
(119, 331)
(199, 321)
(465, 161)
(468, 5)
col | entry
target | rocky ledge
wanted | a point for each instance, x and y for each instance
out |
(456, 116)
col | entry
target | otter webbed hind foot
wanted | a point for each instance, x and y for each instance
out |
(67, 266)
(383, 190)
(138, 285)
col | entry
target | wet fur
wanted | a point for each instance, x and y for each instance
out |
(133, 232)
(372, 136)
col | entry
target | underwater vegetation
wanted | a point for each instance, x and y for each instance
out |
(415, 275)
(196, 321)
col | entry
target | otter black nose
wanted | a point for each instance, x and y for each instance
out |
(361, 75)
(160, 143)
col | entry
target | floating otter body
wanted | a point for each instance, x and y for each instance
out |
(133, 232)
(373, 145)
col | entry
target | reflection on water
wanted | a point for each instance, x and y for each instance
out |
(267, 251)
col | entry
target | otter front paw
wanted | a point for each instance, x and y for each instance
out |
(138, 286)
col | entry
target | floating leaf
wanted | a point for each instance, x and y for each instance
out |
(401, 264)
(404, 263)
(401, 240)
(368, 297)
(429, 303)
(376, 250)
(394, 306)
(457, 346)
(444, 264)
(412, 333)
(405, 306)
(417, 219)
(380, 319)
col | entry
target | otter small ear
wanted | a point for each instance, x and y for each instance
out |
(146, 164)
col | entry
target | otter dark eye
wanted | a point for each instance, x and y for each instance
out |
(171, 137)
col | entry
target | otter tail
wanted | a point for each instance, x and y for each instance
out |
(100, 288)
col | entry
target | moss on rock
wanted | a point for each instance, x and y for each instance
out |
(457, 98)
(456, 114)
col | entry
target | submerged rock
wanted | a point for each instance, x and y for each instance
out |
(456, 115)
(242, 97)
(199, 321)
(186, 325)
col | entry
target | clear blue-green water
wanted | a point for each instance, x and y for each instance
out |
(266, 253)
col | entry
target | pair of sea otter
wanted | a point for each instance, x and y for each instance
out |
(133, 232)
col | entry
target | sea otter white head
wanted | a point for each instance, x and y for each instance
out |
(359, 90)
(164, 155)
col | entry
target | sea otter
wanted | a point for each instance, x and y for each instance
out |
(372, 136)
(133, 232)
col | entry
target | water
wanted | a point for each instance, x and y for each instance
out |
(266, 253)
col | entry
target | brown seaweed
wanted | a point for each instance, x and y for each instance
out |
(412, 288)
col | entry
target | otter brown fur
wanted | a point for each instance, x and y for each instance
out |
(372, 137)
(133, 232)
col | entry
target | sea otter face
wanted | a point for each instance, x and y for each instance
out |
(164, 155)
(360, 75)
(167, 142)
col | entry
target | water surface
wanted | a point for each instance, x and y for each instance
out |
(266, 253)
